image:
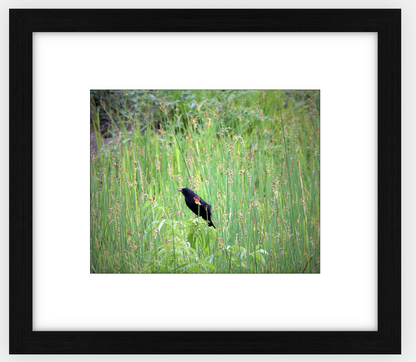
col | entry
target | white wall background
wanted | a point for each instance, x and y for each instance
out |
(408, 151)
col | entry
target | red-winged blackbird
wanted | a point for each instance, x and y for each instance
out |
(197, 205)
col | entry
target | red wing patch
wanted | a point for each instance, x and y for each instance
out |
(197, 201)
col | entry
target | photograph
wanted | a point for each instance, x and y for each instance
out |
(205, 181)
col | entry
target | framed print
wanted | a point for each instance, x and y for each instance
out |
(227, 107)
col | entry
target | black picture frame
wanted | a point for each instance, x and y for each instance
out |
(385, 22)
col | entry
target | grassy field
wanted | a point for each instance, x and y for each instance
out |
(253, 155)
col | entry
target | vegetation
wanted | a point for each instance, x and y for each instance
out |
(253, 155)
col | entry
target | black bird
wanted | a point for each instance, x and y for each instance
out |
(194, 202)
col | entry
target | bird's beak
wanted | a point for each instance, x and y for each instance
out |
(180, 190)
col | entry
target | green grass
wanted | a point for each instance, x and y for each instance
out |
(253, 155)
